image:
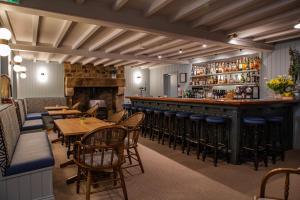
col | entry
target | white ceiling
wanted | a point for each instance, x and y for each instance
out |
(136, 32)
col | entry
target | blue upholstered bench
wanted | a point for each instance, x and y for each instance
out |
(23, 157)
(26, 125)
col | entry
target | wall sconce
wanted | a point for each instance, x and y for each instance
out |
(23, 75)
(137, 77)
(5, 35)
(42, 75)
(17, 64)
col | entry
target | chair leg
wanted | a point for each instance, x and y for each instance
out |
(188, 147)
(88, 186)
(139, 159)
(115, 176)
(198, 150)
(123, 184)
(78, 180)
(129, 156)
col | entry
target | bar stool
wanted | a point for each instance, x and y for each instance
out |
(169, 126)
(275, 137)
(157, 127)
(215, 137)
(253, 139)
(133, 110)
(142, 109)
(181, 128)
(148, 121)
(195, 133)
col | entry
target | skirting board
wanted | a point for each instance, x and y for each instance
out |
(34, 185)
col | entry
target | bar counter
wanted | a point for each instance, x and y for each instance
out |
(234, 110)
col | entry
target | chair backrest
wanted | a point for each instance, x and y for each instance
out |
(117, 117)
(20, 111)
(76, 106)
(287, 172)
(133, 124)
(38, 104)
(93, 110)
(102, 148)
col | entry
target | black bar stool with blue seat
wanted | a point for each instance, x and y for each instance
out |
(254, 140)
(142, 109)
(148, 122)
(181, 129)
(195, 133)
(168, 126)
(275, 137)
(157, 127)
(215, 137)
(133, 110)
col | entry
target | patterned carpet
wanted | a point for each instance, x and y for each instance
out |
(171, 175)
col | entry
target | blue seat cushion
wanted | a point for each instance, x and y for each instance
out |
(183, 114)
(254, 120)
(140, 109)
(170, 113)
(127, 106)
(33, 151)
(45, 113)
(33, 124)
(158, 111)
(215, 120)
(197, 117)
(149, 110)
(275, 119)
(31, 116)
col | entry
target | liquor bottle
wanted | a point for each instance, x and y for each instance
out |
(244, 63)
(240, 64)
(248, 78)
(242, 78)
(255, 92)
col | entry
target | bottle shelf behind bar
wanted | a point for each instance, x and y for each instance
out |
(236, 78)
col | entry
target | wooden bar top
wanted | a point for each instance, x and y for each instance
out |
(56, 107)
(63, 112)
(217, 101)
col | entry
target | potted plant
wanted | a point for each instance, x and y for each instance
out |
(294, 70)
(282, 86)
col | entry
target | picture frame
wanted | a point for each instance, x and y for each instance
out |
(182, 77)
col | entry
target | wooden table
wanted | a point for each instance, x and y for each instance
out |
(56, 107)
(63, 112)
(75, 128)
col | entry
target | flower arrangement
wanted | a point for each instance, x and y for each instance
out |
(282, 85)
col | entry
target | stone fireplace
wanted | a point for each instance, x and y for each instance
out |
(88, 82)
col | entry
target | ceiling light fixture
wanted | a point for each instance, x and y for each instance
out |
(17, 64)
(297, 26)
(180, 51)
(204, 45)
(5, 35)
(159, 57)
(23, 75)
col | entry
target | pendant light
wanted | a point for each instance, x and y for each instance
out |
(5, 36)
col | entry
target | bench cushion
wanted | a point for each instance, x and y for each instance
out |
(33, 124)
(37, 104)
(31, 116)
(33, 151)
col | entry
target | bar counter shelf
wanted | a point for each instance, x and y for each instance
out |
(234, 110)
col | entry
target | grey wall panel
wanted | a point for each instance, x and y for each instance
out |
(33, 87)
(276, 63)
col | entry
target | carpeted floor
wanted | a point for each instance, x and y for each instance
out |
(171, 175)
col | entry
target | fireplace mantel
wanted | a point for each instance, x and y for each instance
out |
(94, 82)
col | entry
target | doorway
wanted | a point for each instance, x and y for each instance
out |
(170, 85)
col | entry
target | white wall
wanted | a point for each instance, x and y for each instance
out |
(156, 77)
(276, 63)
(32, 87)
(132, 86)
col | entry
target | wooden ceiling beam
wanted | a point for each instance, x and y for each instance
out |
(101, 61)
(176, 49)
(186, 51)
(128, 19)
(119, 4)
(126, 62)
(197, 52)
(142, 44)
(283, 38)
(159, 47)
(84, 53)
(76, 59)
(224, 50)
(124, 41)
(188, 9)
(112, 62)
(86, 35)
(88, 60)
(223, 11)
(35, 29)
(5, 21)
(63, 59)
(277, 34)
(62, 33)
(156, 6)
(252, 15)
(107, 35)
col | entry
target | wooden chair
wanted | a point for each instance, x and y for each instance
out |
(117, 117)
(76, 106)
(133, 124)
(287, 172)
(99, 151)
(92, 112)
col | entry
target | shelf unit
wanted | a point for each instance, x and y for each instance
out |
(225, 73)
(226, 84)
